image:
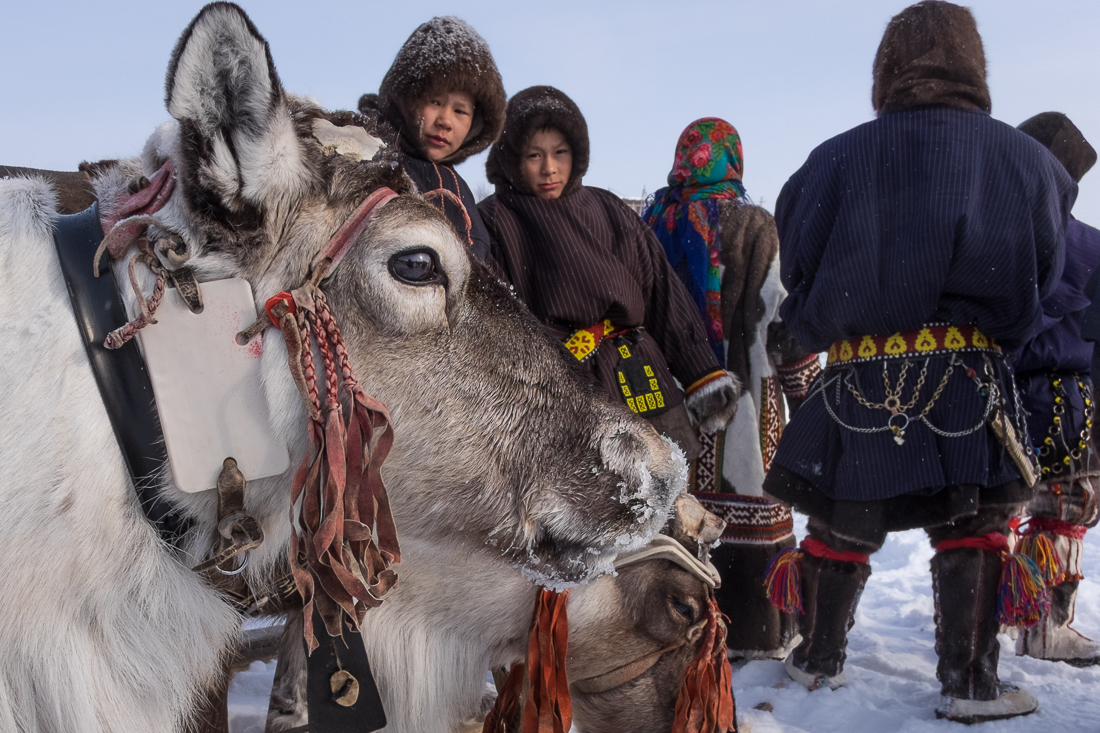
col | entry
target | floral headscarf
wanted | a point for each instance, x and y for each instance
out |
(707, 169)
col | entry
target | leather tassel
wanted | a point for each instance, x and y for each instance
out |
(338, 564)
(783, 580)
(506, 710)
(549, 708)
(705, 703)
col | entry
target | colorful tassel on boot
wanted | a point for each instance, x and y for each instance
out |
(1023, 597)
(783, 580)
(1040, 549)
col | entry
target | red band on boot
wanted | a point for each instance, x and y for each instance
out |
(992, 542)
(1055, 526)
(817, 548)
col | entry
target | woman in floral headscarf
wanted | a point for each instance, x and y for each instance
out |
(725, 250)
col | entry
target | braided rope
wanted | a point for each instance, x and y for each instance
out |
(121, 335)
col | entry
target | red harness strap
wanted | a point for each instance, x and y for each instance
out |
(348, 232)
(124, 226)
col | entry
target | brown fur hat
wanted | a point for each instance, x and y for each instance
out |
(534, 109)
(1061, 137)
(442, 55)
(930, 54)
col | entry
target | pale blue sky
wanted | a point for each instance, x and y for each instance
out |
(83, 80)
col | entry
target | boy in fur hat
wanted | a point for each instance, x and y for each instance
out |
(444, 97)
(1053, 373)
(595, 275)
(915, 248)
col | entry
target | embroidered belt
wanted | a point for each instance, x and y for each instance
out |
(928, 341)
(583, 343)
(637, 380)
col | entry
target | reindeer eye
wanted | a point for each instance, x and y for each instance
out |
(416, 268)
(684, 610)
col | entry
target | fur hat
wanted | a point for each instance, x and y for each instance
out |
(442, 55)
(534, 109)
(930, 54)
(1061, 137)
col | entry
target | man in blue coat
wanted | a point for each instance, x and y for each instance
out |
(1053, 373)
(915, 249)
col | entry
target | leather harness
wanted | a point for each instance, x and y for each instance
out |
(120, 373)
(662, 547)
(127, 395)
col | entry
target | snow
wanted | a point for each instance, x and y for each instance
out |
(891, 665)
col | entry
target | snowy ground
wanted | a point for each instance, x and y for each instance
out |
(891, 666)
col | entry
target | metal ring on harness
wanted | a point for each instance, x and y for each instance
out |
(238, 571)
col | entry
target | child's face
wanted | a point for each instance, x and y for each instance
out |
(445, 121)
(547, 163)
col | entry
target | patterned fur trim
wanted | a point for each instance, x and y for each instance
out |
(750, 520)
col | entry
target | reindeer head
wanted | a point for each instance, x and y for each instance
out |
(501, 441)
(633, 636)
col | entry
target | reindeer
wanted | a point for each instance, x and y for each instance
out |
(508, 470)
(633, 635)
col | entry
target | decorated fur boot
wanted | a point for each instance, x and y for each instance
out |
(1053, 638)
(755, 530)
(965, 583)
(830, 593)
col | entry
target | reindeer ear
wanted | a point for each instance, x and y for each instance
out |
(237, 140)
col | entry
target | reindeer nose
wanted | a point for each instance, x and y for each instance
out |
(639, 454)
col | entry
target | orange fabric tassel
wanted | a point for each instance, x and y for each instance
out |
(547, 708)
(705, 703)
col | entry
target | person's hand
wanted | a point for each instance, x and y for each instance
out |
(714, 403)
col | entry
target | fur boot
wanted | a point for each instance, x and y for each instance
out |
(830, 593)
(1053, 638)
(757, 629)
(965, 583)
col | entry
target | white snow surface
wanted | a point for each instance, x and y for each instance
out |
(891, 665)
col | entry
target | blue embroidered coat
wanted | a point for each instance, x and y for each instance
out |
(926, 215)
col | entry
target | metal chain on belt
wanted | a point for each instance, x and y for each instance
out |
(893, 404)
